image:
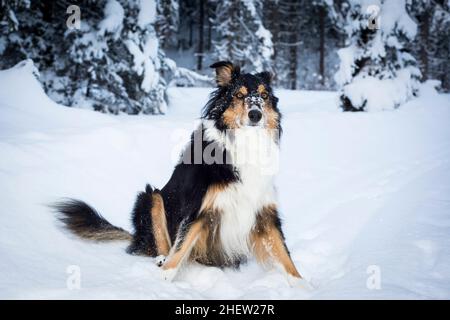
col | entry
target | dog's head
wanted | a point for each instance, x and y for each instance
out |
(242, 99)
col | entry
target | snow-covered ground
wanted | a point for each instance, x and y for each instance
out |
(359, 192)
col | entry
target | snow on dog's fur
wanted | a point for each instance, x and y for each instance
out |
(219, 206)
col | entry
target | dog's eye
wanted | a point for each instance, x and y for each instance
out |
(264, 95)
(240, 95)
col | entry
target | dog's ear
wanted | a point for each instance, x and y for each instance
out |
(225, 72)
(265, 76)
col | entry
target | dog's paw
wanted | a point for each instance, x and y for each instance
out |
(296, 282)
(160, 260)
(169, 274)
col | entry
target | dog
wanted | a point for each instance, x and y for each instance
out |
(216, 210)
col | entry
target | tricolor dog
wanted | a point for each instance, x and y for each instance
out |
(219, 206)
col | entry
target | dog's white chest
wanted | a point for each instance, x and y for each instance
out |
(239, 204)
(255, 155)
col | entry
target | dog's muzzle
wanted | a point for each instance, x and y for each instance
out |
(255, 104)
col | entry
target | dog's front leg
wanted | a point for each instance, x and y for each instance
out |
(181, 250)
(159, 226)
(269, 246)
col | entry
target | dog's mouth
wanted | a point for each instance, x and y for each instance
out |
(256, 124)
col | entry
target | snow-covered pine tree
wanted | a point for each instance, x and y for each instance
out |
(440, 66)
(321, 8)
(376, 71)
(431, 46)
(304, 42)
(271, 18)
(318, 45)
(115, 62)
(8, 16)
(167, 22)
(11, 38)
(242, 37)
(422, 11)
(149, 62)
(23, 35)
(285, 23)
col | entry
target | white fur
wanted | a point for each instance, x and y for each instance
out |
(241, 201)
(159, 260)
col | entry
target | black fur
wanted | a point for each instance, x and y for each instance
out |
(143, 242)
(84, 221)
(277, 222)
(188, 184)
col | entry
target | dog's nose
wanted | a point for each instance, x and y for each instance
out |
(255, 116)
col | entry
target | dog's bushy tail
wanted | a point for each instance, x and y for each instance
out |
(84, 221)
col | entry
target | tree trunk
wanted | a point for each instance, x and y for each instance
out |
(47, 10)
(425, 33)
(234, 36)
(271, 15)
(200, 35)
(293, 63)
(209, 41)
(191, 31)
(293, 49)
(322, 14)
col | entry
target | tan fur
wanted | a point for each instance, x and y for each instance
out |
(105, 235)
(224, 74)
(243, 90)
(202, 241)
(210, 196)
(264, 219)
(261, 88)
(200, 249)
(271, 117)
(159, 225)
(235, 114)
(208, 249)
(191, 237)
(268, 242)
